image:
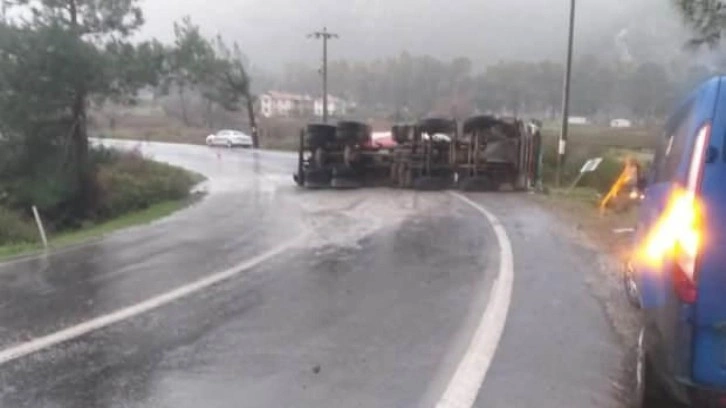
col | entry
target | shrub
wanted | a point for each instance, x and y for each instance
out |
(124, 182)
(133, 183)
(15, 228)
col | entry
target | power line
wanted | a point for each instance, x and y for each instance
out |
(325, 35)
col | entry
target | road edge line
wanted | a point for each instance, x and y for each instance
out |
(464, 386)
(38, 344)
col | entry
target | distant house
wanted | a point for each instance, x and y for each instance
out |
(577, 120)
(145, 95)
(276, 104)
(336, 106)
(621, 123)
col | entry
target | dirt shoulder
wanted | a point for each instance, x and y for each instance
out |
(610, 236)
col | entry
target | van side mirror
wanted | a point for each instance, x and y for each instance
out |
(711, 154)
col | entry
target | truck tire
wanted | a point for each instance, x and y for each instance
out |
(393, 174)
(318, 135)
(400, 133)
(344, 171)
(437, 125)
(345, 178)
(319, 157)
(405, 176)
(478, 183)
(648, 392)
(428, 183)
(350, 132)
(317, 178)
(351, 155)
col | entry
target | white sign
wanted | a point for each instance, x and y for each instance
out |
(591, 165)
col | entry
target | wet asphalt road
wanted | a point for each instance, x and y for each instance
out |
(373, 306)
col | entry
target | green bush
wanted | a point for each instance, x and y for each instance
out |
(133, 183)
(123, 182)
(15, 228)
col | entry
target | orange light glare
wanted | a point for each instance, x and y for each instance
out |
(677, 228)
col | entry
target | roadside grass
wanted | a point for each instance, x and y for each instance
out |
(580, 205)
(614, 145)
(579, 209)
(634, 138)
(69, 238)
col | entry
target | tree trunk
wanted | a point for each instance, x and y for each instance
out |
(210, 114)
(253, 122)
(183, 103)
(79, 139)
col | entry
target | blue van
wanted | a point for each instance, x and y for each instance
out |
(677, 274)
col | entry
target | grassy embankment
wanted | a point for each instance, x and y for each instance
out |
(132, 191)
(69, 238)
(579, 206)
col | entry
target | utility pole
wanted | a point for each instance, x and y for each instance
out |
(562, 143)
(325, 35)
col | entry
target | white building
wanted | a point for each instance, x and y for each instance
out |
(274, 103)
(621, 123)
(577, 120)
(336, 106)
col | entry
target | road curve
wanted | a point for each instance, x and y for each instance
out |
(366, 298)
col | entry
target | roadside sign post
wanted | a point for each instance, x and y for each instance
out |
(589, 166)
(40, 228)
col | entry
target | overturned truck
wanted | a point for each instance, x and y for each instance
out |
(340, 156)
(493, 152)
(422, 157)
(431, 154)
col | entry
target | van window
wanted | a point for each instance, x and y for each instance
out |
(674, 143)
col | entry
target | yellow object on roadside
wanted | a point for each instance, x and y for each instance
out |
(627, 177)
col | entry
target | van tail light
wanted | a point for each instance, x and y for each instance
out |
(690, 237)
(679, 233)
(683, 281)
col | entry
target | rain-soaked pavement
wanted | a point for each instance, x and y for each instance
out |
(373, 305)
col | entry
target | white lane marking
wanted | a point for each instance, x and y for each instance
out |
(469, 376)
(41, 343)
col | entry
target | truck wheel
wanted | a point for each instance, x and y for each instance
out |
(318, 135)
(630, 285)
(319, 157)
(317, 178)
(648, 393)
(393, 175)
(405, 176)
(400, 174)
(478, 183)
(353, 132)
(350, 155)
(345, 178)
(428, 183)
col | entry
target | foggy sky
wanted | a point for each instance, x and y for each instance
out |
(272, 32)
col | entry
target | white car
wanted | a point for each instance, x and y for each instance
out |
(229, 138)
